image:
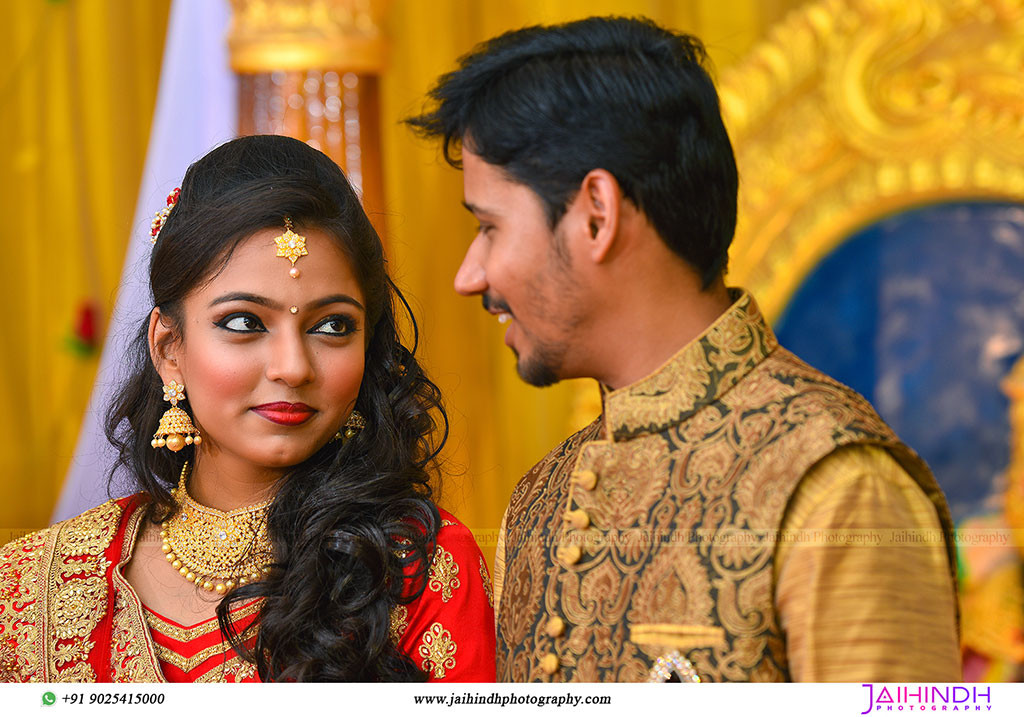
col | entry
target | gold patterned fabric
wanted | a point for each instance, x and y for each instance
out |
(650, 536)
(53, 598)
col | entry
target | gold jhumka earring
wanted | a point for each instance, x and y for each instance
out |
(353, 425)
(291, 246)
(176, 429)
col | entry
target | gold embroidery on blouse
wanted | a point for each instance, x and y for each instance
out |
(79, 672)
(399, 622)
(78, 589)
(236, 668)
(437, 649)
(488, 588)
(126, 661)
(445, 522)
(133, 657)
(444, 574)
(75, 606)
(19, 607)
(187, 664)
(72, 652)
(90, 533)
(187, 634)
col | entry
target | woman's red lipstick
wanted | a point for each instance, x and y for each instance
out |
(284, 413)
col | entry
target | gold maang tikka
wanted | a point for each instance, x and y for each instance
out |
(176, 429)
(291, 246)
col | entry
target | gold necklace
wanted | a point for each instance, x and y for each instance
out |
(215, 550)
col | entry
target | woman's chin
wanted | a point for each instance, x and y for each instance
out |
(284, 456)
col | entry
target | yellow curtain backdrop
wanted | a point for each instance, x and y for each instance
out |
(500, 426)
(78, 86)
(78, 93)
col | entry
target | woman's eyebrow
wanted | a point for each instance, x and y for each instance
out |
(243, 296)
(336, 299)
(271, 304)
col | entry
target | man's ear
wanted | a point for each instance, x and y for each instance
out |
(163, 347)
(599, 200)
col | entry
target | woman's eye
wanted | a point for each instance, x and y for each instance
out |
(334, 326)
(241, 323)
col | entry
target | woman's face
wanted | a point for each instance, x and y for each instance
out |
(271, 364)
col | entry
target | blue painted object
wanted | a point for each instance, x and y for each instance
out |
(923, 313)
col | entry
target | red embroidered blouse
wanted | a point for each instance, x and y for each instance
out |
(68, 615)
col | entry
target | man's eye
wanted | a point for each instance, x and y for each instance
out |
(241, 323)
(334, 326)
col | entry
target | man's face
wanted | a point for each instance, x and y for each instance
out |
(513, 263)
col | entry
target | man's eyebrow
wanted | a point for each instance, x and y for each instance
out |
(477, 211)
(270, 304)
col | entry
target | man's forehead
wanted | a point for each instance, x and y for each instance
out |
(489, 188)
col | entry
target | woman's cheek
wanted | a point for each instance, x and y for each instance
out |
(343, 376)
(220, 382)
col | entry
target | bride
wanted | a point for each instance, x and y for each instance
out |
(282, 441)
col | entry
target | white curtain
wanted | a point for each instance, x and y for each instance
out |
(196, 110)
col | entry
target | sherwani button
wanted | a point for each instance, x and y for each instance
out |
(555, 626)
(570, 554)
(549, 663)
(578, 519)
(586, 480)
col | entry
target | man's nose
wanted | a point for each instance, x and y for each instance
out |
(471, 278)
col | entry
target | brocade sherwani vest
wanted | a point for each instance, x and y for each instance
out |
(642, 547)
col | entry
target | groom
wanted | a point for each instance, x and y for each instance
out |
(726, 517)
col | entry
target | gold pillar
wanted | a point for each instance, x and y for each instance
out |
(309, 69)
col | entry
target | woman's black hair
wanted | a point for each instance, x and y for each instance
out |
(353, 527)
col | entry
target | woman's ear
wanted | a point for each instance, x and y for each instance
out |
(163, 347)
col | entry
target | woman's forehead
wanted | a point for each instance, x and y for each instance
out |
(262, 264)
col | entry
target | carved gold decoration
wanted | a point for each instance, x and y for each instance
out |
(1013, 385)
(851, 109)
(281, 35)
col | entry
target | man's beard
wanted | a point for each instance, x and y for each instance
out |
(543, 367)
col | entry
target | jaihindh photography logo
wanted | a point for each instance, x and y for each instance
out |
(927, 698)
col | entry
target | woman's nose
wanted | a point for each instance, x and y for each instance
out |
(290, 360)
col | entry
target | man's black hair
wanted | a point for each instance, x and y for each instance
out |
(549, 104)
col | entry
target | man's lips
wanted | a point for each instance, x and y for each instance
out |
(287, 414)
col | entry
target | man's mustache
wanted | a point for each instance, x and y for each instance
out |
(495, 305)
